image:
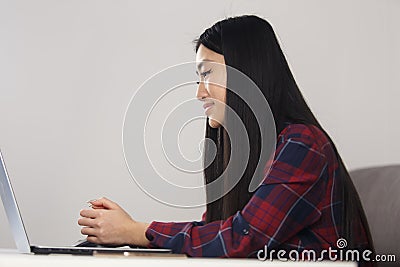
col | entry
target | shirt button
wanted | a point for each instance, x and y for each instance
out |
(245, 231)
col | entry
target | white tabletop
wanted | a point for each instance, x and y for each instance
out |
(10, 259)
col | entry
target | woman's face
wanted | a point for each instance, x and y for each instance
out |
(211, 70)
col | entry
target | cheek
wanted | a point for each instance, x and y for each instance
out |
(216, 92)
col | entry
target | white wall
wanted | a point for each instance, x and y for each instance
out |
(69, 68)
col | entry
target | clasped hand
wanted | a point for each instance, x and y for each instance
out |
(108, 224)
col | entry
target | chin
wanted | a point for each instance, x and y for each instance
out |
(213, 123)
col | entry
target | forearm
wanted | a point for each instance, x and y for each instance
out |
(196, 239)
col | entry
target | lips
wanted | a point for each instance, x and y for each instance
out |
(207, 105)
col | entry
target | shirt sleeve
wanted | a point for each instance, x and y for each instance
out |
(284, 204)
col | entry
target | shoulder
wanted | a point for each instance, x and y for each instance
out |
(299, 156)
(309, 135)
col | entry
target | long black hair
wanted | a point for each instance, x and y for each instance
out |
(248, 44)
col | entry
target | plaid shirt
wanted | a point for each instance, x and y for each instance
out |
(293, 209)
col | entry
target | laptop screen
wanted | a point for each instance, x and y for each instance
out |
(12, 210)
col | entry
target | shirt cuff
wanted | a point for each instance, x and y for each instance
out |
(159, 233)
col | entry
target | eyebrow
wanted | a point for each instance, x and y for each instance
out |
(201, 64)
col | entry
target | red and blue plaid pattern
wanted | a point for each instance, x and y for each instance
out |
(296, 207)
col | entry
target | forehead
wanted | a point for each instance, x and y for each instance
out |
(205, 54)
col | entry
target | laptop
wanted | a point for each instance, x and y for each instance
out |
(21, 238)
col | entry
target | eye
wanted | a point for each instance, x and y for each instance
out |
(204, 74)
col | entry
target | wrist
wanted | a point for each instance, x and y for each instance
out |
(146, 242)
(139, 234)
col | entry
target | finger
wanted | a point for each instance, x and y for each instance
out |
(92, 204)
(88, 213)
(105, 202)
(89, 231)
(93, 239)
(86, 222)
(97, 207)
(90, 201)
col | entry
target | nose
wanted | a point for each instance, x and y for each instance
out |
(201, 91)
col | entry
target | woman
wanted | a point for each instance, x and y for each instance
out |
(306, 200)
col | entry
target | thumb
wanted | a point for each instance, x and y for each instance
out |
(105, 202)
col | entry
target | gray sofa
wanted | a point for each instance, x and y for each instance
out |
(379, 190)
